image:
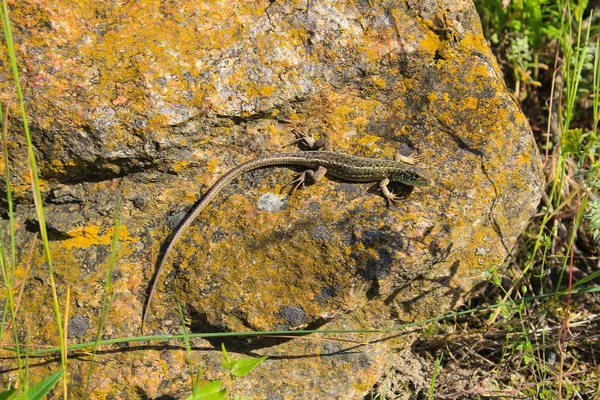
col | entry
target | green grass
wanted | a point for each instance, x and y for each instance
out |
(541, 348)
(436, 370)
(108, 293)
(8, 266)
(392, 330)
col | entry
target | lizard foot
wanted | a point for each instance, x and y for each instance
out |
(412, 159)
(304, 138)
(310, 142)
(391, 198)
(299, 181)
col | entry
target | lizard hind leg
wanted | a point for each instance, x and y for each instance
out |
(324, 143)
(298, 181)
(307, 177)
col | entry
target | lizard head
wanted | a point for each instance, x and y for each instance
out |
(413, 176)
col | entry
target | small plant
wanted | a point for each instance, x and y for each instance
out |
(594, 216)
(237, 368)
(519, 31)
(436, 370)
(35, 392)
(210, 391)
(537, 341)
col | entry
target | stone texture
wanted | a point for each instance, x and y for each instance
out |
(153, 101)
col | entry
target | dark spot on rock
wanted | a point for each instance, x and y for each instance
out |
(362, 360)
(329, 348)
(76, 379)
(378, 268)
(327, 292)
(219, 236)
(357, 359)
(351, 189)
(321, 233)
(349, 240)
(293, 315)
(371, 236)
(78, 326)
(174, 220)
(139, 202)
(139, 124)
(314, 206)
(189, 77)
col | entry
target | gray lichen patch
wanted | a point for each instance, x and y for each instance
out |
(270, 202)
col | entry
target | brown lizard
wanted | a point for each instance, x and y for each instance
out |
(321, 162)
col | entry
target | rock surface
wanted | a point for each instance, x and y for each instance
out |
(153, 101)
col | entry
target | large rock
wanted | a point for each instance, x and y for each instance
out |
(154, 102)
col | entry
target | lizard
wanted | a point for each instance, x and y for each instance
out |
(319, 163)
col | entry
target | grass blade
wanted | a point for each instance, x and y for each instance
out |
(41, 389)
(37, 196)
(107, 289)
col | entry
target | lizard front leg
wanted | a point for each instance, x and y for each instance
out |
(389, 196)
(412, 159)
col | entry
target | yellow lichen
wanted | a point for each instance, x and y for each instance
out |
(189, 197)
(368, 140)
(470, 102)
(525, 157)
(379, 82)
(88, 236)
(212, 166)
(267, 90)
(430, 43)
(180, 165)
